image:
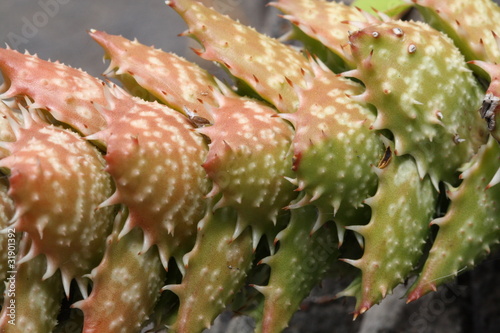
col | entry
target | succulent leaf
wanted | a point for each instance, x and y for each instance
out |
(262, 62)
(333, 147)
(57, 182)
(215, 269)
(6, 131)
(171, 79)
(168, 203)
(6, 213)
(126, 284)
(404, 117)
(416, 77)
(469, 228)
(35, 300)
(325, 22)
(469, 23)
(300, 263)
(66, 93)
(396, 234)
(248, 160)
(392, 8)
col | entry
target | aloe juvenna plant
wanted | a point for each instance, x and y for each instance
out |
(168, 195)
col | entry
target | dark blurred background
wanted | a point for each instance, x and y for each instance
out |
(57, 30)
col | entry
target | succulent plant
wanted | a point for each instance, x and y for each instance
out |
(170, 195)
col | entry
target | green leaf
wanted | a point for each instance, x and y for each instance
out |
(393, 8)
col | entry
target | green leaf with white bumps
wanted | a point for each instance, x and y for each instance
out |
(215, 269)
(396, 234)
(316, 132)
(473, 25)
(416, 78)
(6, 213)
(249, 158)
(469, 228)
(333, 147)
(300, 263)
(34, 299)
(393, 8)
(126, 284)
